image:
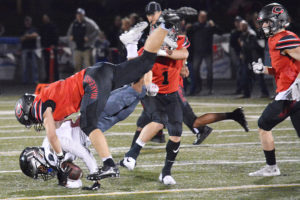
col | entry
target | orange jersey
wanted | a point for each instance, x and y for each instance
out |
(284, 68)
(63, 96)
(166, 71)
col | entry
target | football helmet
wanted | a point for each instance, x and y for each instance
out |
(33, 164)
(22, 109)
(276, 15)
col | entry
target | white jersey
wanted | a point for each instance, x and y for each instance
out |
(74, 142)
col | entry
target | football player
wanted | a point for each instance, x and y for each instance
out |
(88, 91)
(284, 49)
(164, 109)
(196, 124)
(42, 162)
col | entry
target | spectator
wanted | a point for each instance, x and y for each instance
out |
(28, 46)
(250, 52)
(84, 32)
(235, 50)
(102, 48)
(134, 19)
(49, 42)
(114, 32)
(121, 49)
(113, 37)
(202, 40)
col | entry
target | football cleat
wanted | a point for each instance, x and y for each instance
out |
(200, 137)
(134, 34)
(104, 172)
(167, 180)
(96, 186)
(239, 117)
(128, 162)
(268, 170)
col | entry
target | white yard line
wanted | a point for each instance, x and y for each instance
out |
(228, 188)
(123, 149)
(108, 134)
(178, 163)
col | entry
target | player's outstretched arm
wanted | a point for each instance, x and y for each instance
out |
(49, 125)
(180, 54)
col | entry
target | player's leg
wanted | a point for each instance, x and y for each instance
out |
(295, 118)
(236, 115)
(174, 126)
(273, 114)
(155, 112)
(189, 117)
(142, 121)
(97, 86)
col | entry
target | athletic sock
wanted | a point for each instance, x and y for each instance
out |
(229, 115)
(172, 149)
(108, 161)
(270, 157)
(135, 150)
(135, 137)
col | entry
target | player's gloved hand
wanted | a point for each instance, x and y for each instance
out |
(151, 89)
(258, 67)
(62, 172)
(162, 52)
(62, 175)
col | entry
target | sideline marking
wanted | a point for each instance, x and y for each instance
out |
(240, 187)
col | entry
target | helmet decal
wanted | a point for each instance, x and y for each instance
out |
(277, 10)
(19, 111)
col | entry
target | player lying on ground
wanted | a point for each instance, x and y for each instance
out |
(42, 162)
(284, 48)
(88, 91)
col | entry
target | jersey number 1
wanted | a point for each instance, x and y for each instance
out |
(165, 74)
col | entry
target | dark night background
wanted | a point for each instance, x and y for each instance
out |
(62, 12)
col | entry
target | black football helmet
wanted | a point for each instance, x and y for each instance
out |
(33, 164)
(22, 109)
(276, 15)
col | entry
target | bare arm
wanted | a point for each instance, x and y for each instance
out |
(148, 78)
(49, 125)
(180, 54)
(294, 53)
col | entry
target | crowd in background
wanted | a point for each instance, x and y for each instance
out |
(89, 44)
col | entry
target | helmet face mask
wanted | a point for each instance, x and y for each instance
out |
(33, 164)
(277, 17)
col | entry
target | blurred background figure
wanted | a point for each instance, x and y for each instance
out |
(134, 19)
(234, 52)
(250, 52)
(102, 48)
(113, 37)
(84, 32)
(201, 35)
(28, 47)
(49, 42)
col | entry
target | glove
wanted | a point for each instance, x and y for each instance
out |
(162, 52)
(151, 89)
(62, 175)
(258, 67)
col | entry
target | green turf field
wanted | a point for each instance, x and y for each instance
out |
(216, 169)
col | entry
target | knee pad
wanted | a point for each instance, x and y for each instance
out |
(262, 124)
(175, 129)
